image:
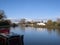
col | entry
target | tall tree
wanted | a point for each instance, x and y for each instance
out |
(2, 14)
(49, 23)
(23, 20)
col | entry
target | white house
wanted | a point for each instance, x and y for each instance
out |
(43, 24)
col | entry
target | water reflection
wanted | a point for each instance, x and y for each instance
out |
(41, 29)
(34, 36)
(42, 36)
(58, 31)
(22, 27)
(51, 30)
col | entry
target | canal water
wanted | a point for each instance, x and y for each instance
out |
(38, 36)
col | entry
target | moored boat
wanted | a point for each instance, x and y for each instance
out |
(10, 38)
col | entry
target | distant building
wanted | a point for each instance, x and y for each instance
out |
(43, 24)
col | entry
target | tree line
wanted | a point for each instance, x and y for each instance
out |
(3, 21)
(49, 23)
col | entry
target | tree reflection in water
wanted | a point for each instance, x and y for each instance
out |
(54, 30)
(58, 31)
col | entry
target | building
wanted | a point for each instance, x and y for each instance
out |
(42, 24)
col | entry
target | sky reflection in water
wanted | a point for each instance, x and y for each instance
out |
(38, 36)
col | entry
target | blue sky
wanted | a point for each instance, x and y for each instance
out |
(31, 9)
